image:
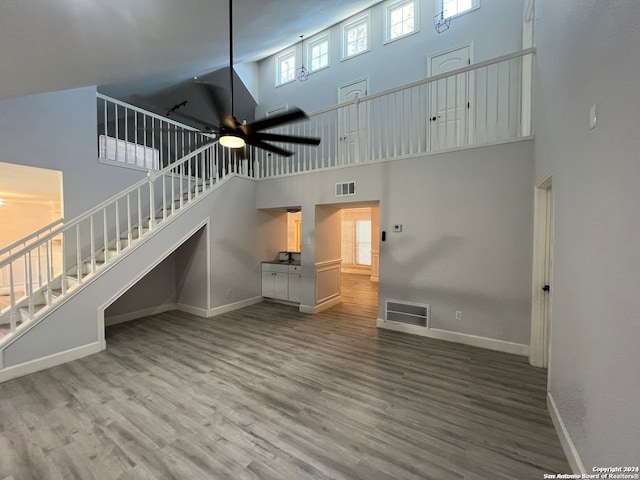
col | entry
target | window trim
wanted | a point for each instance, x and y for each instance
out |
(392, 5)
(439, 7)
(281, 56)
(364, 18)
(316, 40)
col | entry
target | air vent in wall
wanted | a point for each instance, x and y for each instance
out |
(345, 188)
(408, 313)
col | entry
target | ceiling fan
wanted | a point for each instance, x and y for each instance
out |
(234, 134)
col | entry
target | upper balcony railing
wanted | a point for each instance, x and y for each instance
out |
(139, 138)
(481, 104)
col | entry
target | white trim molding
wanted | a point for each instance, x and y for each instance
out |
(54, 360)
(457, 337)
(145, 312)
(573, 457)
(322, 306)
(215, 311)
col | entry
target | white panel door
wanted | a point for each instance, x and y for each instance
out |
(352, 122)
(449, 100)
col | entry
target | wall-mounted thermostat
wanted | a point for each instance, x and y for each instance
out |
(397, 227)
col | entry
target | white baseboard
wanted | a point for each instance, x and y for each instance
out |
(234, 306)
(54, 360)
(145, 312)
(575, 462)
(464, 338)
(322, 306)
(197, 311)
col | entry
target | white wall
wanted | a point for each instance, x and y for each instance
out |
(467, 232)
(588, 53)
(58, 130)
(494, 29)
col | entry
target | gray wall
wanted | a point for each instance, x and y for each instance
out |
(191, 270)
(58, 130)
(588, 53)
(494, 29)
(156, 288)
(467, 232)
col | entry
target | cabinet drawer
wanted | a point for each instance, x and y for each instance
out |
(274, 267)
(295, 269)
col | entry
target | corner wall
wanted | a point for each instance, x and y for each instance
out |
(588, 54)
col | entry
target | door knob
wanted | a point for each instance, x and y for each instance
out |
(546, 288)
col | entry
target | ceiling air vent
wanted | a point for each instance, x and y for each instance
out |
(345, 189)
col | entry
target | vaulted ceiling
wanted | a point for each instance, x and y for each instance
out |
(138, 47)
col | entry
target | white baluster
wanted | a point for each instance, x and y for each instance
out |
(78, 254)
(152, 200)
(118, 247)
(92, 235)
(129, 229)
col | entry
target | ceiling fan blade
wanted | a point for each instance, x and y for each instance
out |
(290, 116)
(270, 148)
(273, 137)
(215, 95)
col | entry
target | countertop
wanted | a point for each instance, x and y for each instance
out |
(282, 262)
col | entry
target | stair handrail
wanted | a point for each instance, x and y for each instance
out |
(151, 176)
(25, 240)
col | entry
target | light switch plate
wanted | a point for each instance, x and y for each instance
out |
(592, 117)
(397, 227)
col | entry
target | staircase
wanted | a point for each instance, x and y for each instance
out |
(96, 241)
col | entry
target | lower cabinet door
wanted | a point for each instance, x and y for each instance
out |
(268, 284)
(281, 287)
(295, 281)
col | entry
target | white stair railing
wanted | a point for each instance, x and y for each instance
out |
(480, 104)
(98, 237)
(32, 237)
(140, 138)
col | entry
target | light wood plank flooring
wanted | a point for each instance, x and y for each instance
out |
(269, 393)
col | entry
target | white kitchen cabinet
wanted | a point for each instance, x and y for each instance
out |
(281, 281)
(295, 282)
(275, 281)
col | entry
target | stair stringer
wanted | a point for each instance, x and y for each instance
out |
(74, 327)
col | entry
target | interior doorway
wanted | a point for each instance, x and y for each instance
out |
(360, 253)
(541, 300)
(450, 100)
(352, 122)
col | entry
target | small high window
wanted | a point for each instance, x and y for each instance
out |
(452, 8)
(356, 37)
(286, 67)
(401, 18)
(318, 53)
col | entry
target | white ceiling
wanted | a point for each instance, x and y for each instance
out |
(141, 46)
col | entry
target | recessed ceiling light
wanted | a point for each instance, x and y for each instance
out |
(1, 202)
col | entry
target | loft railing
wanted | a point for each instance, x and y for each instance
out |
(481, 104)
(137, 137)
(98, 237)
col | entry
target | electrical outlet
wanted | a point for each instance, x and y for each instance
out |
(458, 315)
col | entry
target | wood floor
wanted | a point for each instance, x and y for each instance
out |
(269, 393)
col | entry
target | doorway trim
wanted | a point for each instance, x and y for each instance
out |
(542, 273)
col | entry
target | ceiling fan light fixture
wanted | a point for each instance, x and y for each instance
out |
(231, 141)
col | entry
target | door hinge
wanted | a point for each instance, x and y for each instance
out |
(469, 60)
(546, 288)
(468, 104)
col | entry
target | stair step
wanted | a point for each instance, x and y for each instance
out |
(111, 253)
(24, 312)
